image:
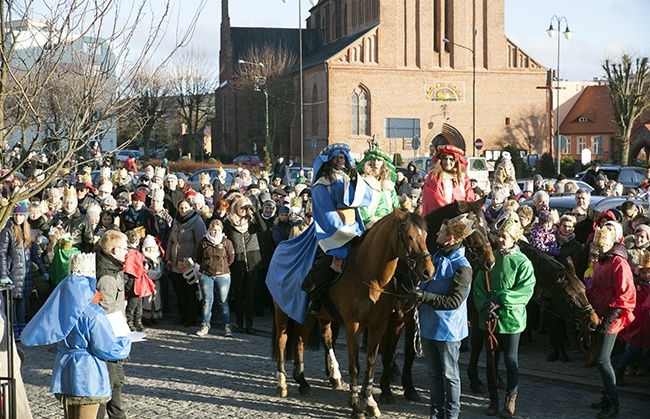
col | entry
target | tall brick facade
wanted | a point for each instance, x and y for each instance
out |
(384, 59)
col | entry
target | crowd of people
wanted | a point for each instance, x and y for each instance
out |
(152, 233)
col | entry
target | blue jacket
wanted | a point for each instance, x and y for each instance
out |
(83, 336)
(17, 262)
(444, 325)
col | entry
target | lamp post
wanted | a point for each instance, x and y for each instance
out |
(567, 34)
(302, 104)
(260, 85)
(473, 51)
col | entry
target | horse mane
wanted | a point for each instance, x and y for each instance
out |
(548, 266)
(411, 219)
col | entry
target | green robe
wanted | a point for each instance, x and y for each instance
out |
(59, 267)
(512, 280)
(383, 200)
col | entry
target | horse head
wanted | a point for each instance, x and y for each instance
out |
(573, 293)
(478, 247)
(412, 244)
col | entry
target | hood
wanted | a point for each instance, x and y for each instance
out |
(608, 215)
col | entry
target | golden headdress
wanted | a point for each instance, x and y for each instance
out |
(204, 178)
(70, 194)
(605, 238)
(509, 222)
(460, 227)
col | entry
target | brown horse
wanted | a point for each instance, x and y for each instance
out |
(478, 252)
(365, 294)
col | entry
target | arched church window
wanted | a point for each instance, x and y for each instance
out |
(360, 112)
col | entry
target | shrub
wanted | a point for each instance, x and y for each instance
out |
(398, 160)
(568, 166)
(172, 154)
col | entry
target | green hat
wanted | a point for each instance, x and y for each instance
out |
(379, 154)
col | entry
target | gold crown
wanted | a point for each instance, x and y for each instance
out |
(509, 222)
(70, 194)
(204, 178)
(460, 227)
(82, 264)
(605, 237)
(105, 172)
(88, 170)
(86, 178)
(159, 172)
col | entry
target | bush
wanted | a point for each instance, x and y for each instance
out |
(172, 154)
(547, 169)
(568, 166)
(397, 158)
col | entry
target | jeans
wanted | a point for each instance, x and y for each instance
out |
(604, 346)
(208, 290)
(509, 345)
(632, 353)
(444, 377)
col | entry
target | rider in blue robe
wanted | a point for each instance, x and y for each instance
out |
(336, 198)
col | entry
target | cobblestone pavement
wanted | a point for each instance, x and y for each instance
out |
(175, 374)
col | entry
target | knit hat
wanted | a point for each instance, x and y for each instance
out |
(199, 199)
(138, 196)
(149, 241)
(643, 227)
(283, 210)
(181, 176)
(171, 176)
(20, 209)
(269, 203)
(110, 201)
(106, 187)
(191, 193)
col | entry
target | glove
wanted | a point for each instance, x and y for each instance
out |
(6, 281)
(416, 295)
(491, 307)
(607, 321)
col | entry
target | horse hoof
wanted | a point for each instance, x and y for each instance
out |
(305, 391)
(336, 384)
(477, 388)
(282, 391)
(411, 395)
(387, 398)
(372, 411)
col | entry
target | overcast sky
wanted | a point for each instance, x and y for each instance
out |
(601, 28)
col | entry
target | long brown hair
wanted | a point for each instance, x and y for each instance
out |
(458, 171)
(23, 233)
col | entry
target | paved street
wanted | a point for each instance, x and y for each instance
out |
(175, 374)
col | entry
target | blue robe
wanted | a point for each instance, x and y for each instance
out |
(83, 336)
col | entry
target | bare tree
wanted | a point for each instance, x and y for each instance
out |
(275, 72)
(628, 89)
(192, 82)
(66, 72)
(528, 131)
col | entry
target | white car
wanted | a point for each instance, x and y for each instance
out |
(477, 168)
(122, 155)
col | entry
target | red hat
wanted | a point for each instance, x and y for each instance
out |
(138, 196)
(449, 149)
(190, 192)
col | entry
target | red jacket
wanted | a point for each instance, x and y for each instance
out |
(613, 287)
(638, 332)
(433, 194)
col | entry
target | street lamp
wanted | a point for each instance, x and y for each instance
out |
(260, 85)
(302, 111)
(567, 34)
(473, 51)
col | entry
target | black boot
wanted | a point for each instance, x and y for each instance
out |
(314, 305)
(493, 409)
(603, 403)
(610, 411)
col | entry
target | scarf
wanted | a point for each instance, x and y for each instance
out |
(185, 218)
(239, 223)
(562, 239)
(216, 241)
(506, 252)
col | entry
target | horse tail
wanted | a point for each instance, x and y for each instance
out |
(313, 338)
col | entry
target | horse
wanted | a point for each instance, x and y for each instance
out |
(567, 298)
(363, 296)
(478, 252)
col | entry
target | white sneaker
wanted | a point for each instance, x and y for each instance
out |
(226, 331)
(204, 330)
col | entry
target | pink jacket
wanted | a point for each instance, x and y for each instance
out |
(433, 194)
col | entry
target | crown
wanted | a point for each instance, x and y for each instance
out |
(105, 172)
(82, 264)
(86, 178)
(460, 227)
(88, 170)
(605, 238)
(70, 194)
(509, 222)
(159, 172)
(204, 178)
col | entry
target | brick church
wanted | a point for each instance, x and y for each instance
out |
(394, 70)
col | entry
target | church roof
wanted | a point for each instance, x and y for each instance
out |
(592, 113)
(243, 39)
(333, 48)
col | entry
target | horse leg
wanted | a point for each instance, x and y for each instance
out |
(375, 332)
(331, 363)
(388, 349)
(281, 323)
(410, 393)
(299, 362)
(476, 346)
(352, 335)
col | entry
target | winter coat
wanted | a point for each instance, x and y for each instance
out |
(512, 280)
(79, 227)
(17, 262)
(131, 219)
(110, 282)
(183, 239)
(433, 193)
(265, 238)
(215, 259)
(612, 286)
(248, 255)
(638, 332)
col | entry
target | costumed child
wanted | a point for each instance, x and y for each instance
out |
(73, 320)
(63, 250)
(137, 282)
(543, 237)
(153, 262)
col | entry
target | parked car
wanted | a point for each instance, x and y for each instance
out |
(122, 155)
(405, 171)
(193, 179)
(565, 203)
(249, 161)
(477, 168)
(628, 176)
(581, 184)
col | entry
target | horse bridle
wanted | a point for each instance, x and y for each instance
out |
(577, 313)
(412, 260)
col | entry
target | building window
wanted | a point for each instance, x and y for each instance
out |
(582, 119)
(597, 145)
(567, 148)
(360, 112)
(507, 120)
(582, 144)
